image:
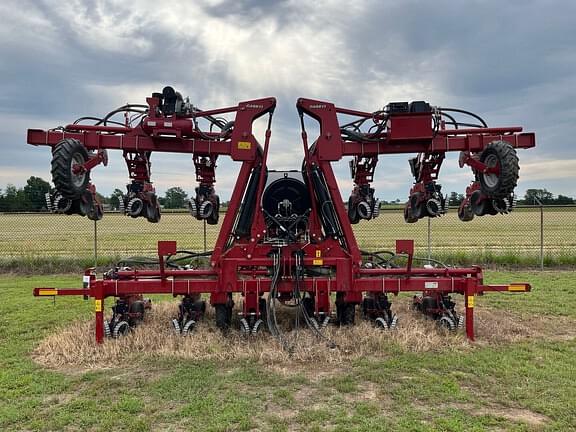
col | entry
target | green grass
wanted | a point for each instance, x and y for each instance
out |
(503, 387)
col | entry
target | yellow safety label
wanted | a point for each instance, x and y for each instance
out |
(47, 292)
(516, 288)
(98, 305)
(318, 253)
(244, 145)
(318, 262)
(471, 301)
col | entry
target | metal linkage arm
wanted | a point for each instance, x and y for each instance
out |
(171, 134)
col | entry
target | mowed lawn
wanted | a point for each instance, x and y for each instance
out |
(513, 234)
(524, 382)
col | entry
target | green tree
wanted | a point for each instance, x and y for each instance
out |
(115, 198)
(13, 199)
(455, 199)
(175, 197)
(564, 200)
(538, 196)
(35, 194)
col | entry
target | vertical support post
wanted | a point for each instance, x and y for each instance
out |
(541, 237)
(469, 304)
(99, 309)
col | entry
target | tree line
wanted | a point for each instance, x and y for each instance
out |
(531, 197)
(31, 197)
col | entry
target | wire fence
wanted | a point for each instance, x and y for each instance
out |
(542, 236)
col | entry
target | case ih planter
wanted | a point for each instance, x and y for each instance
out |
(287, 235)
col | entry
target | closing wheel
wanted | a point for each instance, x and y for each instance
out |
(107, 331)
(206, 209)
(502, 205)
(258, 325)
(502, 155)
(364, 210)
(381, 323)
(433, 207)
(460, 323)
(66, 155)
(61, 204)
(120, 329)
(176, 326)
(447, 323)
(244, 327)
(192, 207)
(134, 207)
(188, 327)
(394, 322)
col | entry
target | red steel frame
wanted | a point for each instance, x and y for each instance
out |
(238, 263)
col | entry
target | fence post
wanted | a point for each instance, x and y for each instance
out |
(205, 235)
(541, 237)
(95, 244)
(429, 237)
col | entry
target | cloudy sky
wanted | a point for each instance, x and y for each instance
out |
(513, 62)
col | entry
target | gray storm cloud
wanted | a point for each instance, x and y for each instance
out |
(513, 62)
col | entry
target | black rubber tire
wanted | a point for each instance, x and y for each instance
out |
(152, 213)
(481, 208)
(506, 182)
(352, 212)
(136, 307)
(75, 208)
(418, 209)
(347, 314)
(408, 217)
(135, 207)
(223, 316)
(213, 218)
(447, 324)
(121, 328)
(262, 307)
(309, 307)
(368, 304)
(64, 154)
(465, 213)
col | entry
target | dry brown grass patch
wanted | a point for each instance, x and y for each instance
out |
(74, 343)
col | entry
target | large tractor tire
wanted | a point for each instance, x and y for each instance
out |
(502, 154)
(66, 154)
